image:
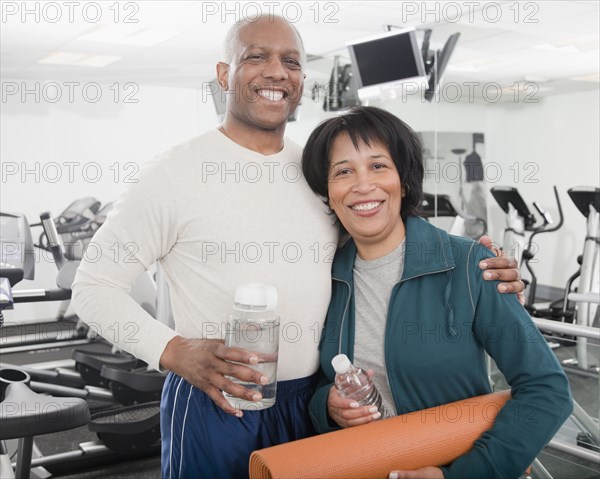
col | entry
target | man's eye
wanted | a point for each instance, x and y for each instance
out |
(292, 62)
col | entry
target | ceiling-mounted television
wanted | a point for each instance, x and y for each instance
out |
(439, 65)
(387, 58)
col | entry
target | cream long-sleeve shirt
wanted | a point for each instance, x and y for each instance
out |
(215, 215)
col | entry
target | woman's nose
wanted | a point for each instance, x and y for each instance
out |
(364, 183)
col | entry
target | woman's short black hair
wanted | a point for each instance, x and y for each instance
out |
(368, 124)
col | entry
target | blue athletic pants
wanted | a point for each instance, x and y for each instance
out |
(201, 441)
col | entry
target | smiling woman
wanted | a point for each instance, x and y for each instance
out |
(409, 303)
(365, 192)
(372, 177)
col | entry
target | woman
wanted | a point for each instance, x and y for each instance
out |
(408, 302)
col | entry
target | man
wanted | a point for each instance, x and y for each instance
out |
(227, 207)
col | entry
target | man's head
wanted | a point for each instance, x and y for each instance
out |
(231, 40)
(263, 75)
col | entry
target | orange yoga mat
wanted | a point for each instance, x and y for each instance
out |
(431, 437)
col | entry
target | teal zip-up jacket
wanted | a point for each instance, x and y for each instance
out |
(442, 319)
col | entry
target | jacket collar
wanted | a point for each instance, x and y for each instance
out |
(428, 250)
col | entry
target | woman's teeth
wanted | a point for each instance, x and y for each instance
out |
(366, 206)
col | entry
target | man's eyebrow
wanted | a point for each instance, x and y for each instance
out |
(267, 47)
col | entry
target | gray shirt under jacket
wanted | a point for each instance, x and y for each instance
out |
(373, 282)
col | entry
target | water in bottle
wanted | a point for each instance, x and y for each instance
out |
(353, 383)
(254, 326)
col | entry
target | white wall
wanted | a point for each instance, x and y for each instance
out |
(43, 138)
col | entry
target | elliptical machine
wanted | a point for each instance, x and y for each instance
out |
(520, 222)
(587, 294)
(555, 311)
(521, 229)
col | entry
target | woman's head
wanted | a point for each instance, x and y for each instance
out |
(367, 125)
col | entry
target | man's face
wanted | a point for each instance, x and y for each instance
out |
(265, 79)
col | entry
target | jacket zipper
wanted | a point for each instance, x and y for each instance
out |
(385, 342)
(386, 323)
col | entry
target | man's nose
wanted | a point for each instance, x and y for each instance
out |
(275, 69)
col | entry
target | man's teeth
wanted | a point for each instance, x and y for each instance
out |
(273, 95)
(366, 206)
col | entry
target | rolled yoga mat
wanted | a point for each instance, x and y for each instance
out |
(431, 437)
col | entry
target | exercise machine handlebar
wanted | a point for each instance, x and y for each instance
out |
(54, 242)
(528, 254)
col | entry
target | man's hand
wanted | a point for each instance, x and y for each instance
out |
(502, 268)
(346, 412)
(204, 363)
(422, 473)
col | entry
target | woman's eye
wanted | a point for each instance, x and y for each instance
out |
(378, 166)
(337, 173)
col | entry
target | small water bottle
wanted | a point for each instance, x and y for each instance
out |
(253, 325)
(353, 383)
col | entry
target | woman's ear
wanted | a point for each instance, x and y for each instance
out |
(405, 190)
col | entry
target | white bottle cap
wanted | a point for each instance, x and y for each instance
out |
(341, 363)
(256, 294)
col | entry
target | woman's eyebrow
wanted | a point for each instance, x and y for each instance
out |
(338, 163)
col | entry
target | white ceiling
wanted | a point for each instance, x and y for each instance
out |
(520, 41)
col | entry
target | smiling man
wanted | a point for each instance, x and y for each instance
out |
(264, 79)
(228, 207)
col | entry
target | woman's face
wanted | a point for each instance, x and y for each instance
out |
(365, 193)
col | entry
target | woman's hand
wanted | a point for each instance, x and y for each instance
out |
(346, 412)
(422, 473)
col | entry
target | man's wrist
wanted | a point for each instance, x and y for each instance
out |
(169, 356)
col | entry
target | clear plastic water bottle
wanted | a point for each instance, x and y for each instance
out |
(353, 383)
(254, 326)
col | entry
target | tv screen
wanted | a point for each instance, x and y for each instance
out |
(441, 62)
(387, 58)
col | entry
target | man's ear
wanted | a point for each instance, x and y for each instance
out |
(223, 75)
